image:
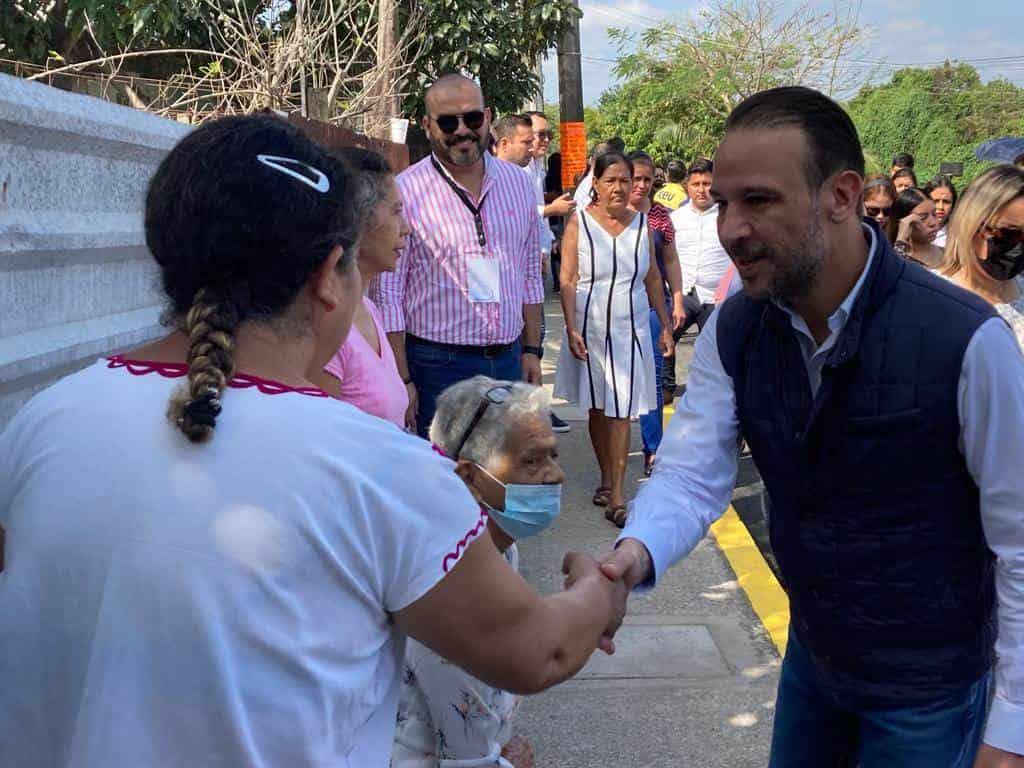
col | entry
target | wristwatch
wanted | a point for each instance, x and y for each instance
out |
(536, 351)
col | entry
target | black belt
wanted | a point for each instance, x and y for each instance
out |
(489, 351)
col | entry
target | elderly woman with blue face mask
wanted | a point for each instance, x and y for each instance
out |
(499, 434)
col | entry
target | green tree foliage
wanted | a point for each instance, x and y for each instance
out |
(497, 42)
(661, 112)
(673, 98)
(937, 115)
(679, 81)
(57, 31)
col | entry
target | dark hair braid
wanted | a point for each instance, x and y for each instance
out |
(210, 323)
(236, 236)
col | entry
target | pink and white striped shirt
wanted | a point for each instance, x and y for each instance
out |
(428, 293)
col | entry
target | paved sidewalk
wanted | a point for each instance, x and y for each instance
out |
(693, 682)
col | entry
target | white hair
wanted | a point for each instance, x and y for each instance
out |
(458, 404)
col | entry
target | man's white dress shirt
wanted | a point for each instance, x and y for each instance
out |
(702, 258)
(695, 475)
(582, 193)
(538, 175)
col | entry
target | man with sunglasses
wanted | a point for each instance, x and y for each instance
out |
(542, 135)
(562, 205)
(467, 295)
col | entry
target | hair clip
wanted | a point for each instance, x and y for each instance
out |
(319, 180)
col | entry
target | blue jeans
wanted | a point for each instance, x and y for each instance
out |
(816, 725)
(651, 426)
(433, 369)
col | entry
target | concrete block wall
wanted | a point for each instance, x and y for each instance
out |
(76, 280)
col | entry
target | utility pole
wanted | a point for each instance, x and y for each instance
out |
(384, 104)
(538, 97)
(573, 134)
(303, 96)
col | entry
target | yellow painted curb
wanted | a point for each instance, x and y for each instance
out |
(755, 577)
(763, 590)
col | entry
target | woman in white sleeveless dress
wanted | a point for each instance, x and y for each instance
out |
(609, 283)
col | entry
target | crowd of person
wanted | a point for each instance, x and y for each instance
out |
(962, 239)
(229, 547)
(285, 533)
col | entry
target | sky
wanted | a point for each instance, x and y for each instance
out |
(906, 32)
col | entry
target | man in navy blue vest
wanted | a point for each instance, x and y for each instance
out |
(884, 408)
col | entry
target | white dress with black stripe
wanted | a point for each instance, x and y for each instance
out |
(612, 314)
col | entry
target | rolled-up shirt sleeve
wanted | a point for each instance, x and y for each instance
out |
(695, 473)
(533, 281)
(991, 401)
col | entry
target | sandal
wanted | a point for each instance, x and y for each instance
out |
(617, 515)
(601, 496)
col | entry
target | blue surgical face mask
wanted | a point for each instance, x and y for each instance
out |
(529, 509)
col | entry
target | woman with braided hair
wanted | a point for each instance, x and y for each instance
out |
(212, 563)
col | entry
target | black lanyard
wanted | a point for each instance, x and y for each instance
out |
(481, 235)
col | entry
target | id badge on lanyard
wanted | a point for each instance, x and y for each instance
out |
(483, 279)
(483, 274)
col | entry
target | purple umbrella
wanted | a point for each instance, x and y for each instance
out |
(1002, 150)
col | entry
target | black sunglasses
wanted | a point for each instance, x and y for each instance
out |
(496, 395)
(450, 123)
(874, 211)
(1007, 235)
(545, 135)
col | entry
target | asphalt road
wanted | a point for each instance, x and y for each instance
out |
(693, 682)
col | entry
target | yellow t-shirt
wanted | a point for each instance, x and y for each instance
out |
(672, 195)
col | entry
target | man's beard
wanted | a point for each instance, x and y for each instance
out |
(448, 146)
(798, 278)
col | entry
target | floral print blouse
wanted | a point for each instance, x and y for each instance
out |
(446, 717)
(1013, 313)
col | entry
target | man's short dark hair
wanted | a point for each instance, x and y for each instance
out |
(831, 136)
(903, 160)
(617, 145)
(507, 126)
(701, 165)
(535, 113)
(676, 171)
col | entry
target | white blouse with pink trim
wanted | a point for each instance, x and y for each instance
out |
(222, 604)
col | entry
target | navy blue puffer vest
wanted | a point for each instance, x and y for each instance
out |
(875, 519)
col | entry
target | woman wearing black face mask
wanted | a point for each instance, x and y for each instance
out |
(985, 251)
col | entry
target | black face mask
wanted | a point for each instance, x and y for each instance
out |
(1005, 257)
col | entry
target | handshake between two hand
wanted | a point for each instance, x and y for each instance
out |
(619, 572)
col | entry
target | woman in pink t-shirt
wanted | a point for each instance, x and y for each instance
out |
(363, 372)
